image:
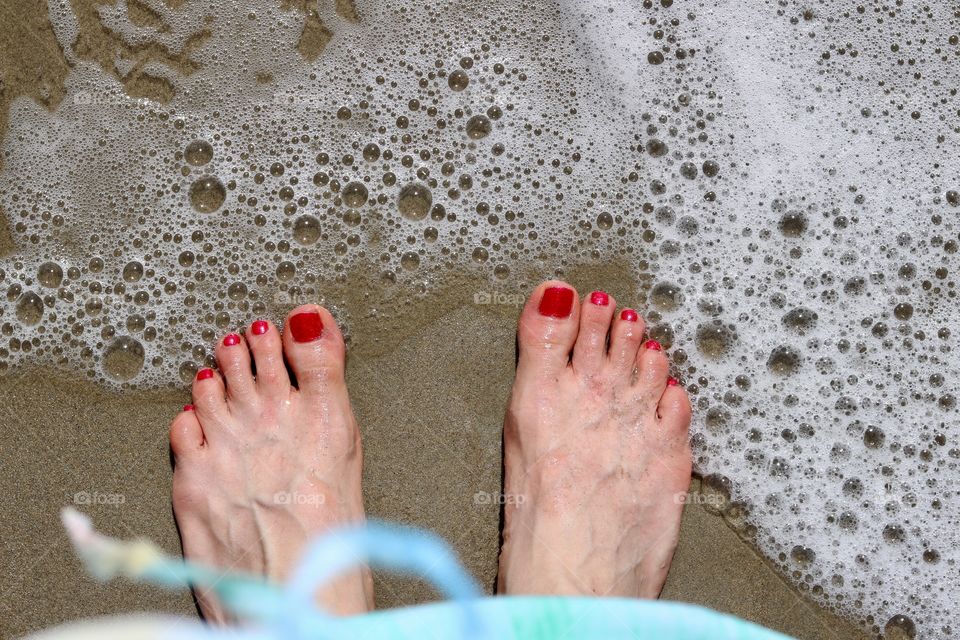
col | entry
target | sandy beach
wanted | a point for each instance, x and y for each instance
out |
(430, 418)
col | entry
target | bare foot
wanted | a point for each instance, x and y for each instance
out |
(263, 464)
(595, 453)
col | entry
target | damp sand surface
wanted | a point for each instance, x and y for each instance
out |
(430, 403)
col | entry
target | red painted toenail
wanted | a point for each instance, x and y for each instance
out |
(557, 302)
(672, 382)
(653, 344)
(188, 407)
(259, 327)
(231, 339)
(599, 298)
(203, 374)
(629, 315)
(306, 327)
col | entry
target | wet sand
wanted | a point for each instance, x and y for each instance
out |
(430, 407)
(428, 387)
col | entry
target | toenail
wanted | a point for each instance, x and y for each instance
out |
(557, 302)
(599, 298)
(629, 315)
(203, 374)
(259, 327)
(306, 327)
(672, 382)
(188, 407)
(231, 339)
(653, 344)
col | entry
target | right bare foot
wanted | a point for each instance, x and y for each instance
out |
(595, 453)
(262, 466)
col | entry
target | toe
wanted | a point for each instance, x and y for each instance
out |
(590, 350)
(674, 408)
(548, 327)
(267, 350)
(652, 372)
(625, 338)
(186, 434)
(233, 360)
(314, 348)
(209, 396)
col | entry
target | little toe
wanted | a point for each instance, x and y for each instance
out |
(233, 360)
(314, 348)
(548, 327)
(272, 379)
(626, 335)
(209, 396)
(652, 371)
(590, 349)
(674, 408)
(186, 434)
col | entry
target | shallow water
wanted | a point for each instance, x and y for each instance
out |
(775, 184)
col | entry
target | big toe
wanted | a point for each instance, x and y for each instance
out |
(548, 327)
(314, 348)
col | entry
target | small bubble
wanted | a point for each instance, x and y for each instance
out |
(50, 274)
(656, 148)
(414, 201)
(800, 319)
(123, 359)
(237, 291)
(410, 260)
(286, 270)
(894, 534)
(198, 153)
(306, 229)
(714, 339)
(371, 152)
(478, 127)
(802, 556)
(29, 308)
(132, 271)
(784, 360)
(903, 311)
(458, 80)
(792, 224)
(873, 437)
(207, 194)
(355, 194)
(666, 296)
(899, 627)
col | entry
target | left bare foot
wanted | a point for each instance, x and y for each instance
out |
(262, 465)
